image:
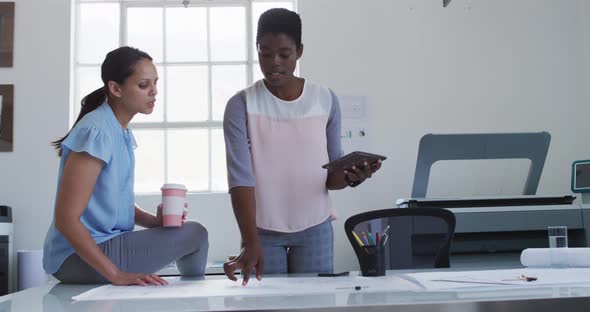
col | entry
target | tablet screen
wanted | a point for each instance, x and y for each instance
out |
(354, 158)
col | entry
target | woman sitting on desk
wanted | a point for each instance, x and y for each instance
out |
(91, 238)
(278, 134)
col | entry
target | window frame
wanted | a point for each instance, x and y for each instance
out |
(211, 125)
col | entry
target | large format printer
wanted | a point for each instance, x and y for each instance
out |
(499, 224)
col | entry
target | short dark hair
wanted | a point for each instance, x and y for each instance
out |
(280, 21)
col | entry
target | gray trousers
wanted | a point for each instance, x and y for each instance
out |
(307, 251)
(145, 251)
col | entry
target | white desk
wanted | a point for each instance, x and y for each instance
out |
(570, 298)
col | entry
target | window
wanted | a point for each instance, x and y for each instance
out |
(204, 52)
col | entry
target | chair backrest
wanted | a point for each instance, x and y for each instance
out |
(417, 237)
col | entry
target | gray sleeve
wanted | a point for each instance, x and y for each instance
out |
(334, 129)
(237, 147)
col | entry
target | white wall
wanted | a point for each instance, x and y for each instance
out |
(501, 66)
(41, 93)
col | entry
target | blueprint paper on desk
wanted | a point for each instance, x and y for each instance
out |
(269, 286)
(498, 278)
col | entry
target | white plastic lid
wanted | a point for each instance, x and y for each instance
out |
(173, 186)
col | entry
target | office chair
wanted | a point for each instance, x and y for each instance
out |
(417, 237)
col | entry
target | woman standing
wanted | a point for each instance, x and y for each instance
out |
(278, 134)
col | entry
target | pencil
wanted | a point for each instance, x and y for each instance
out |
(358, 239)
(386, 231)
(384, 239)
(371, 238)
(366, 239)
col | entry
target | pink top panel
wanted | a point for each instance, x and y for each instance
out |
(287, 157)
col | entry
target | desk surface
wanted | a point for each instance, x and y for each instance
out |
(571, 298)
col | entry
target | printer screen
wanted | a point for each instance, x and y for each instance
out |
(582, 175)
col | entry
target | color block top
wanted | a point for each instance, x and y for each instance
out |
(279, 148)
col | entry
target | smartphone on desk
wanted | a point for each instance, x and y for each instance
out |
(334, 274)
(353, 159)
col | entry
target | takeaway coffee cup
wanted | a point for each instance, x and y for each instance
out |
(173, 201)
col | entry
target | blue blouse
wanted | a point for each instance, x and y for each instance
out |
(110, 211)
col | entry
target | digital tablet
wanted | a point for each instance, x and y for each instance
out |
(355, 158)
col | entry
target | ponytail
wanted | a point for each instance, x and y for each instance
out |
(89, 103)
(117, 67)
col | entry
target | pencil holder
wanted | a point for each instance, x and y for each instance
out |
(372, 260)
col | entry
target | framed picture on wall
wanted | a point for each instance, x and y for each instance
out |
(6, 33)
(6, 117)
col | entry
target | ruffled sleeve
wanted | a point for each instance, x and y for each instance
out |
(91, 140)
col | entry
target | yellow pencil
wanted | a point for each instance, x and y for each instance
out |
(358, 239)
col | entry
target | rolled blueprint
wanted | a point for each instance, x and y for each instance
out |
(555, 257)
(30, 269)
